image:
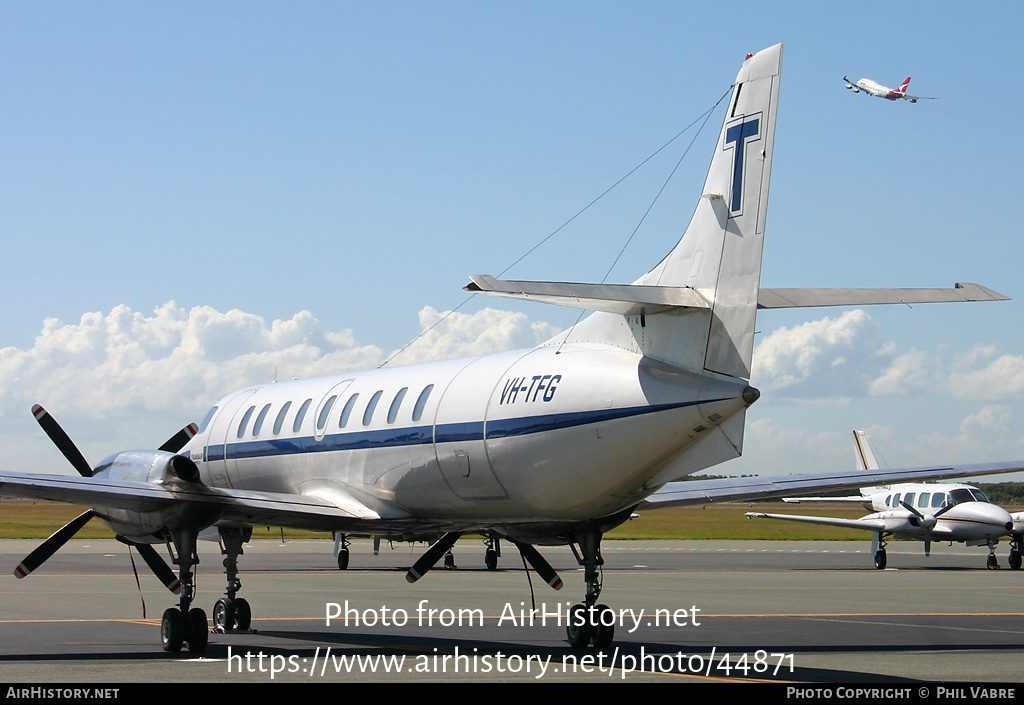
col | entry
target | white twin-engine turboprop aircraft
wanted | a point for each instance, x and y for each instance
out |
(551, 445)
(925, 512)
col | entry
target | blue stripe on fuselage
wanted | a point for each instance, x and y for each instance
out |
(422, 435)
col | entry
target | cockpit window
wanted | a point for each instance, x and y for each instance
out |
(961, 495)
(206, 421)
(980, 496)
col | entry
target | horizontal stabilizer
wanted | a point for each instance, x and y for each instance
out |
(624, 299)
(634, 299)
(806, 298)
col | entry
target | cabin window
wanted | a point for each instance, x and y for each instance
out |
(259, 420)
(325, 412)
(925, 497)
(896, 500)
(300, 415)
(347, 411)
(938, 500)
(371, 407)
(206, 421)
(396, 404)
(908, 498)
(888, 499)
(245, 421)
(421, 402)
(279, 421)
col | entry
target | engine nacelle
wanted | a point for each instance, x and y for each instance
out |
(149, 521)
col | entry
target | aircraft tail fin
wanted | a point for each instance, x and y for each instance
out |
(862, 450)
(696, 308)
(904, 86)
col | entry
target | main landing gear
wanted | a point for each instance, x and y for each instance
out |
(879, 550)
(185, 624)
(590, 624)
(1016, 549)
(232, 613)
(493, 552)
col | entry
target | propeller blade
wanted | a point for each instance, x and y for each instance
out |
(62, 440)
(48, 547)
(159, 567)
(911, 509)
(944, 510)
(433, 554)
(543, 568)
(179, 439)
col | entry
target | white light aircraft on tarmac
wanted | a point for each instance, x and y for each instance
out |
(924, 512)
(878, 90)
(552, 445)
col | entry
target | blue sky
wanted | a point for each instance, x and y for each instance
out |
(340, 168)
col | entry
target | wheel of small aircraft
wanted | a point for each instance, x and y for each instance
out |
(1015, 559)
(880, 559)
(993, 562)
(491, 559)
(197, 630)
(449, 561)
(343, 559)
(172, 629)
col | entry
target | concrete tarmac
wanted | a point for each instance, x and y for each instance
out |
(686, 610)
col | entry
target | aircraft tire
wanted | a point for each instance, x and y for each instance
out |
(243, 614)
(605, 628)
(491, 559)
(1015, 560)
(343, 559)
(579, 631)
(224, 615)
(172, 629)
(880, 559)
(198, 630)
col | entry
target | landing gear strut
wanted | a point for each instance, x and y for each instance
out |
(590, 623)
(185, 624)
(879, 546)
(232, 613)
(1016, 549)
(493, 552)
(993, 562)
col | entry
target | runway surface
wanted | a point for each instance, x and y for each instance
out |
(689, 610)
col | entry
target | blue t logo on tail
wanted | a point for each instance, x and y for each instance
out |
(736, 138)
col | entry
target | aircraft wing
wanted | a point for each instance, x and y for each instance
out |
(866, 524)
(322, 509)
(734, 489)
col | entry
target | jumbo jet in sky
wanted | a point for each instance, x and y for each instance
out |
(552, 445)
(924, 512)
(880, 91)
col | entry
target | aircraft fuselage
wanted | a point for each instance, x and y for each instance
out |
(530, 436)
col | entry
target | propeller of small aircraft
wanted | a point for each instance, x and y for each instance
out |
(925, 521)
(74, 456)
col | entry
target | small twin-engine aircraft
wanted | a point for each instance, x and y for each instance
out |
(925, 512)
(878, 90)
(552, 445)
